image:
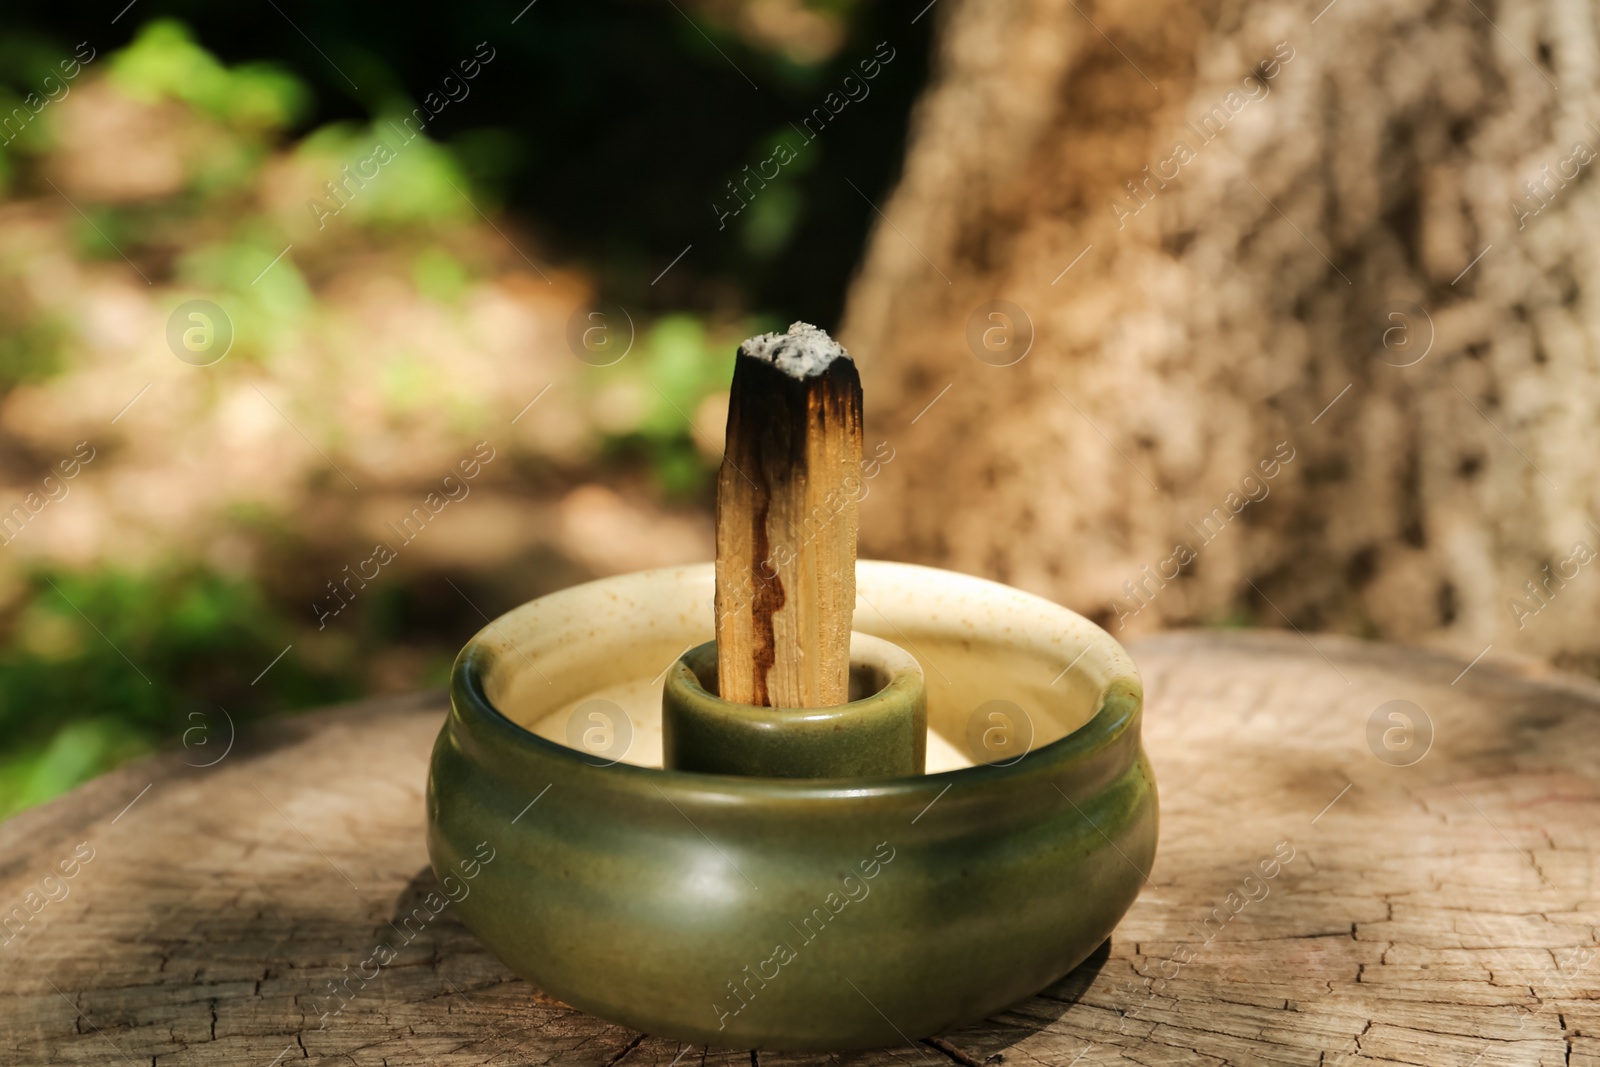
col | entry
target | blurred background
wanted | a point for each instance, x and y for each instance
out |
(327, 334)
(579, 158)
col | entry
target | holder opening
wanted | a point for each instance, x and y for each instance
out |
(881, 731)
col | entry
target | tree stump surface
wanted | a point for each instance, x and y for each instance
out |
(1442, 913)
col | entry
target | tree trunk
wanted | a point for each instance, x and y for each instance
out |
(1260, 250)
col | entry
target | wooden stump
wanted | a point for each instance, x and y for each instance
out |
(1442, 913)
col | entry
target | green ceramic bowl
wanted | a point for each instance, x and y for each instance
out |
(788, 913)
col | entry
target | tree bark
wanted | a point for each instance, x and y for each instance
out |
(1311, 902)
(1341, 263)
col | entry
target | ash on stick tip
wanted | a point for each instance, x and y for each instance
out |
(804, 352)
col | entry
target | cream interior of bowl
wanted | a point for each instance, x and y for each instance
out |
(979, 643)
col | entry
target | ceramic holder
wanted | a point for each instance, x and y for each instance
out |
(882, 731)
(793, 913)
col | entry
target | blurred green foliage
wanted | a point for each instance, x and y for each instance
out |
(674, 367)
(165, 63)
(30, 349)
(614, 124)
(611, 135)
(422, 184)
(100, 667)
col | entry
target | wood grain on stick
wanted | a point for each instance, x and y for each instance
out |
(787, 502)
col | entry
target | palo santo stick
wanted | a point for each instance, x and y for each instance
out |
(787, 503)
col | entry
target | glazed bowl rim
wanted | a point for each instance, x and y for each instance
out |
(503, 740)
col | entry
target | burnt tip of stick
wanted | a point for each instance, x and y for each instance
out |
(789, 388)
(805, 351)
